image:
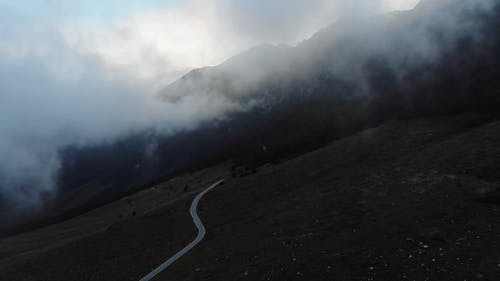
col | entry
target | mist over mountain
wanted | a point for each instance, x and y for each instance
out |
(273, 102)
(367, 56)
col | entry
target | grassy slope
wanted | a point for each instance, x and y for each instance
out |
(408, 200)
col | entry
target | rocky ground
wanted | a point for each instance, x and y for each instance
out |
(410, 200)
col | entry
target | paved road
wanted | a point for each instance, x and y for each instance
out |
(201, 234)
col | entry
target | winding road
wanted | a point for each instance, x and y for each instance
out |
(201, 233)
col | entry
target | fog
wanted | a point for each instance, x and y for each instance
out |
(356, 49)
(41, 114)
(67, 83)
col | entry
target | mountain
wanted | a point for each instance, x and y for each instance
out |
(438, 59)
(401, 56)
(368, 152)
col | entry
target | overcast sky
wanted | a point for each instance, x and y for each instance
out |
(165, 38)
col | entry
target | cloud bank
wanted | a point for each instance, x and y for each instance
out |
(64, 81)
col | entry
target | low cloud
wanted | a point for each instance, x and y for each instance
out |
(65, 82)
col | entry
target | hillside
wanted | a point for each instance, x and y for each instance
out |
(411, 199)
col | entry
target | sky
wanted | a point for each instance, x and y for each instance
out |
(86, 72)
(162, 39)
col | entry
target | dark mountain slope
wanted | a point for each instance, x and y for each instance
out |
(409, 200)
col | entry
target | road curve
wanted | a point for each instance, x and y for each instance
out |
(201, 234)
